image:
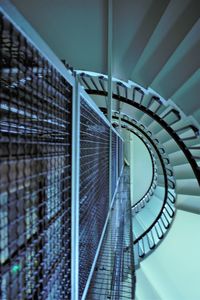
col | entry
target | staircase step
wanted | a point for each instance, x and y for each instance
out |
(182, 64)
(150, 14)
(187, 187)
(183, 172)
(160, 192)
(137, 227)
(170, 146)
(166, 38)
(163, 136)
(155, 127)
(147, 215)
(177, 158)
(130, 111)
(146, 120)
(189, 90)
(155, 204)
(188, 203)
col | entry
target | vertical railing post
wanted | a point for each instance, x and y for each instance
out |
(117, 158)
(110, 92)
(120, 121)
(75, 192)
(109, 59)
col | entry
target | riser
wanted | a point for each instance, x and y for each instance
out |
(163, 136)
(177, 158)
(155, 127)
(183, 172)
(188, 203)
(160, 192)
(146, 216)
(170, 146)
(187, 187)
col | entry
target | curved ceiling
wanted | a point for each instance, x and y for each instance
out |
(154, 43)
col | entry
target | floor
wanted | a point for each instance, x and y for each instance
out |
(113, 277)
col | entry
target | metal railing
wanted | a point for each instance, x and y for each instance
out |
(94, 185)
(35, 188)
(54, 189)
(158, 109)
(151, 237)
(114, 275)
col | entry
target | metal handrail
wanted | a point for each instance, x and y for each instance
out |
(160, 157)
(166, 204)
(160, 120)
(167, 211)
(154, 177)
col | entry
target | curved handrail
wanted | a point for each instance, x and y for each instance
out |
(154, 176)
(159, 155)
(166, 119)
(166, 211)
(167, 126)
(156, 220)
(141, 203)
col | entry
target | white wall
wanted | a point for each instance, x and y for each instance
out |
(141, 168)
(144, 289)
(173, 269)
(126, 136)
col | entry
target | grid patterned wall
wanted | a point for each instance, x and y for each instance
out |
(120, 155)
(114, 161)
(94, 186)
(35, 169)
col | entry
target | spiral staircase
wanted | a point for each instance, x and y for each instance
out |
(175, 140)
(155, 55)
